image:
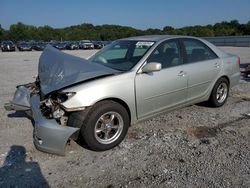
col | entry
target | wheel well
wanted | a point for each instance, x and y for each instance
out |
(122, 103)
(226, 77)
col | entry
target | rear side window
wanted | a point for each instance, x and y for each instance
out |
(197, 51)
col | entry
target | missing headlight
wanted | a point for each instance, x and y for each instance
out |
(62, 97)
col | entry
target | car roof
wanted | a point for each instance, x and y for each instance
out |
(157, 38)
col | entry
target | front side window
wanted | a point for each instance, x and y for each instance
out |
(197, 51)
(167, 53)
(122, 55)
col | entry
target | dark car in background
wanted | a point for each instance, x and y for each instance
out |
(24, 46)
(39, 46)
(245, 71)
(59, 45)
(8, 46)
(105, 43)
(86, 45)
(98, 45)
(72, 45)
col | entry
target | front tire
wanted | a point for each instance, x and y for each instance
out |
(220, 93)
(105, 125)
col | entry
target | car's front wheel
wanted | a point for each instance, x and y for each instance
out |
(220, 93)
(105, 125)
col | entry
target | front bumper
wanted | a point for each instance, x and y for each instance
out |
(25, 48)
(48, 135)
(11, 48)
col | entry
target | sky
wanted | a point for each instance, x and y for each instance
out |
(140, 14)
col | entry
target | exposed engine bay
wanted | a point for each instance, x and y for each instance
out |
(52, 109)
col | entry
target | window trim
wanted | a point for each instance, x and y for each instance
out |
(185, 59)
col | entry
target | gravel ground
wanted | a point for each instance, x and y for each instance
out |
(196, 146)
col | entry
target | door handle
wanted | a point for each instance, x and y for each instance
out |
(182, 74)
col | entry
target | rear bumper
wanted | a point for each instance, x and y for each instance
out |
(48, 135)
(234, 79)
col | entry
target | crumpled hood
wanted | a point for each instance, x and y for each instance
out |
(57, 70)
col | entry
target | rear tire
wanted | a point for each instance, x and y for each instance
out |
(104, 126)
(219, 93)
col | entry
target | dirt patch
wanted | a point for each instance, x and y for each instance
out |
(132, 135)
(202, 132)
(242, 97)
(208, 132)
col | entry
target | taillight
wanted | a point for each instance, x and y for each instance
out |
(238, 61)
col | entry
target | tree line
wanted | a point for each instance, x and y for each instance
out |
(21, 31)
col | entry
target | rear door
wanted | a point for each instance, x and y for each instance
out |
(202, 67)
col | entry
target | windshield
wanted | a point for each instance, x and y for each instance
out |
(7, 42)
(122, 55)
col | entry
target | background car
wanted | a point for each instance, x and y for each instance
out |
(72, 45)
(24, 46)
(59, 45)
(245, 71)
(7, 46)
(39, 46)
(86, 44)
(105, 43)
(98, 45)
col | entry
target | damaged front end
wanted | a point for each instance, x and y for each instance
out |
(51, 132)
(42, 99)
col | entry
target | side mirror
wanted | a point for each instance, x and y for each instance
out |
(151, 67)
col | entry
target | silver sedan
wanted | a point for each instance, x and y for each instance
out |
(130, 80)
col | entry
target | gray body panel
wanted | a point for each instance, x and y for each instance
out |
(21, 100)
(200, 78)
(147, 98)
(48, 135)
(144, 94)
(156, 92)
